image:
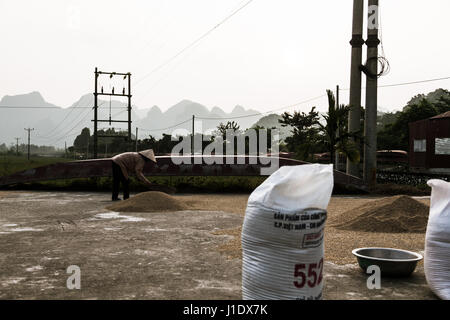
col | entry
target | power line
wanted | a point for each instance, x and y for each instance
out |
(49, 136)
(70, 131)
(164, 76)
(408, 83)
(62, 121)
(413, 82)
(75, 126)
(67, 115)
(162, 129)
(194, 42)
(45, 107)
(38, 107)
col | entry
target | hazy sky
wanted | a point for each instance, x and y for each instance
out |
(271, 54)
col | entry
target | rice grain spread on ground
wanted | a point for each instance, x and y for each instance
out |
(398, 214)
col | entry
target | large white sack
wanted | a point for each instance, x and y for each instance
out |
(437, 241)
(282, 239)
(296, 188)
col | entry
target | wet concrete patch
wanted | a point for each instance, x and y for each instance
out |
(13, 227)
(34, 268)
(117, 215)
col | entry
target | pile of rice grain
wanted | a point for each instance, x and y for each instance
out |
(399, 214)
(151, 201)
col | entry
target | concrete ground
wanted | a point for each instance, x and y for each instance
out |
(170, 255)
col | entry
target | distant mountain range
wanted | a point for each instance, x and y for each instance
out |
(55, 125)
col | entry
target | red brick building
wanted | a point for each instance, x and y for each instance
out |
(429, 144)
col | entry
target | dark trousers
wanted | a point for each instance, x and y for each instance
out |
(118, 178)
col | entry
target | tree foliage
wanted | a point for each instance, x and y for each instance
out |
(394, 133)
(305, 132)
(311, 135)
(334, 132)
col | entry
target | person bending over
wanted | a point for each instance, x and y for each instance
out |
(125, 164)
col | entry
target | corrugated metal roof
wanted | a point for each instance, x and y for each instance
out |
(444, 115)
(393, 151)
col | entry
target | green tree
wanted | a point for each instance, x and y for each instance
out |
(82, 140)
(305, 132)
(396, 135)
(230, 125)
(334, 133)
(222, 130)
(443, 104)
(393, 128)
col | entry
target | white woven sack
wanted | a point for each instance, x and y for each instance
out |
(437, 241)
(282, 235)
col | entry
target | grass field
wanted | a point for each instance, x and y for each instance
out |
(10, 164)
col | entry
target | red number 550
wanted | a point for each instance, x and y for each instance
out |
(312, 278)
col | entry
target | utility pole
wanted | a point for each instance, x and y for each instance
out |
(337, 133)
(17, 146)
(65, 149)
(137, 130)
(111, 94)
(357, 42)
(193, 135)
(129, 109)
(95, 114)
(87, 148)
(29, 131)
(370, 123)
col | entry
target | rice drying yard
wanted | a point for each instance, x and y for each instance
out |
(156, 246)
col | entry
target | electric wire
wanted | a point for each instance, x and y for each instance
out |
(406, 83)
(67, 134)
(162, 129)
(38, 107)
(193, 43)
(49, 136)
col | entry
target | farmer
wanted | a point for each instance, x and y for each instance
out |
(128, 163)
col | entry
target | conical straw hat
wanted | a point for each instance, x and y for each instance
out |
(149, 154)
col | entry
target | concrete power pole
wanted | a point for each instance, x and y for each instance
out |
(357, 42)
(336, 156)
(29, 131)
(129, 111)
(95, 114)
(193, 135)
(87, 148)
(370, 127)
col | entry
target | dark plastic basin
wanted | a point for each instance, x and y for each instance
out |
(392, 262)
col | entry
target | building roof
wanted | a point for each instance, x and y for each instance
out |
(444, 115)
(402, 152)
